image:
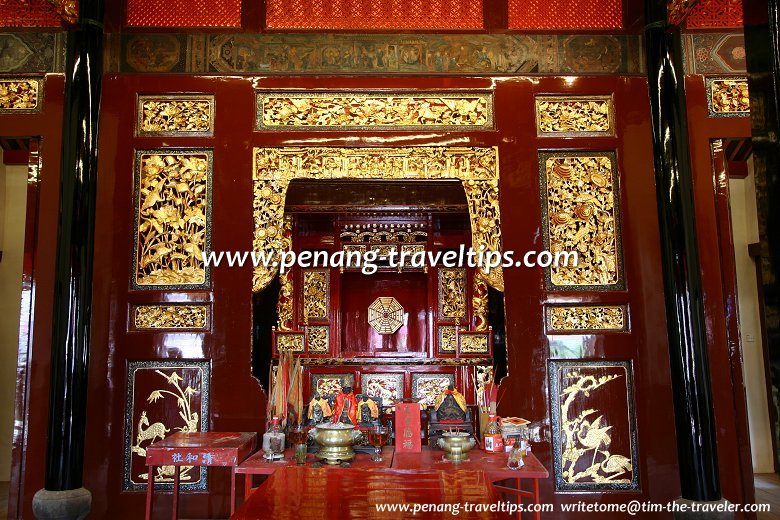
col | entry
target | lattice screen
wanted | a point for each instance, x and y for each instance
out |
(28, 13)
(374, 14)
(565, 14)
(184, 13)
(716, 14)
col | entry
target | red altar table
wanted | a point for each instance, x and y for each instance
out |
(295, 493)
(492, 465)
(226, 449)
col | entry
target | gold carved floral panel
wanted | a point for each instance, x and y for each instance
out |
(172, 218)
(316, 294)
(728, 97)
(20, 95)
(175, 317)
(373, 110)
(176, 115)
(580, 214)
(474, 343)
(285, 306)
(387, 387)
(594, 426)
(164, 397)
(318, 339)
(448, 339)
(452, 294)
(331, 384)
(289, 342)
(427, 387)
(575, 116)
(274, 168)
(587, 318)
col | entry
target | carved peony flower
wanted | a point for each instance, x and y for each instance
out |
(560, 219)
(562, 170)
(584, 211)
(598, 179)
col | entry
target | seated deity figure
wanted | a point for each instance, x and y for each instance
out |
(367, 411)
(345, 409)
(319, 409)
(450, 405)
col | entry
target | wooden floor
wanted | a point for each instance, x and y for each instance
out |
(768, 492)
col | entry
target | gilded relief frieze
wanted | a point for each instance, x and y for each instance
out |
(580, 201)
(561, 116)
(20, 95)
(427, 387)
(316, 294)
(175, 115)
(594, 426)
(474, 343)
(452, 294)
(173, 218)
(318, 338)
(728, 97)
(274, 168)
(177, 317)
(289, 342)
(285, 306)
(587, 318)
(448, 339)
(373, 110)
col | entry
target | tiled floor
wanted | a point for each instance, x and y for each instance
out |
(768, 492)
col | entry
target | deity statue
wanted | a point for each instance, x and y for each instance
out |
(319, 409)
(367, 410)
(345, 409)
(450, 405)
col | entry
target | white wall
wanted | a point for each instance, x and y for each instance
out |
(744, 223)
(13, 198)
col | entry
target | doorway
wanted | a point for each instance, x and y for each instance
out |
(19, 170)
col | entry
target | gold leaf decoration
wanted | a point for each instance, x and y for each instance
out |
(333, 111)
(565, 318)
(319, 339)
(452, 293)
(171, 317)
(479, 303)
(176, 115)
(316, 294)
(729, 96)
(473, 343)
(19, 94)
(564, 115)
(289, 342)
(477, 168)
(173, 190)
(586, 453)
(285, 304)
(67, 9)
(580, 194)
(447, 339)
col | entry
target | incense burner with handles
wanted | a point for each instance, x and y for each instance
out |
(456, 445)
(335, 441)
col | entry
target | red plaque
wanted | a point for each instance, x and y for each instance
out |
(407, 428)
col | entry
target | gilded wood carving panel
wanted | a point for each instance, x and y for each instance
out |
(331, 384)
(448, 339)
(594, 426)
(20, 95)
(176, 317)
(427, 387)
(289, 342)
(177, 115)
(173, 218)
(580, 203)
(575, 116)
(274, 168)
(388, 387)
(728, 97)
(373, 110)
(164, 397)
(319, 339)
(587, 318)
(452, 294)
(316, 294)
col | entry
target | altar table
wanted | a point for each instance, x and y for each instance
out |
(226, 449)
(305, 493)
(492, 465)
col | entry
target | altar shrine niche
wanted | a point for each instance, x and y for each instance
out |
(404, 332)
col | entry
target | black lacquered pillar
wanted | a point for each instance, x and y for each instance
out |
(73, 277)
(694, 418)
(762, 42)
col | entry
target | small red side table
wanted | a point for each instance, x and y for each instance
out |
(225, 449)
